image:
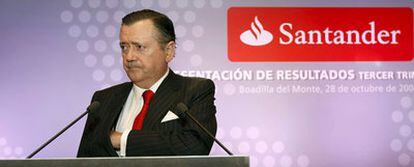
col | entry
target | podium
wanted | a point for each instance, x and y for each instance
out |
(174, 161)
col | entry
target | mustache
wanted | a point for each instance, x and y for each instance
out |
(133, 64)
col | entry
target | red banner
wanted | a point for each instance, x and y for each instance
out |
(319, 34)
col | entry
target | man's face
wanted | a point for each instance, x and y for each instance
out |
(144, 59)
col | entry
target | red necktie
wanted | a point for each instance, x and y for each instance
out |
(147, 95)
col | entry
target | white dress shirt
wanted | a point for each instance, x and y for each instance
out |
(131, 109)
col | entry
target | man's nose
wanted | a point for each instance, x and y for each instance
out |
(129, 55)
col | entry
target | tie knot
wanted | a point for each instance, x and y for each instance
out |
(147, 95)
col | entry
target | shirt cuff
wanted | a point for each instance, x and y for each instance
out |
(124, 138)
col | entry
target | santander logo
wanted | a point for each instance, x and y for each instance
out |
(324, 34)
(256, 35)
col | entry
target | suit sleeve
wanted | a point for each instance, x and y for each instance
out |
(185, 138)
(82, 150)
(91, 143)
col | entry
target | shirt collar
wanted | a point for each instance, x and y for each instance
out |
(137, 90)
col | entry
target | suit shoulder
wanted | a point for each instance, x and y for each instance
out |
(114, 88)
(195, 80)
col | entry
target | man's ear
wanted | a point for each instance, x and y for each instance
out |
(170, 51)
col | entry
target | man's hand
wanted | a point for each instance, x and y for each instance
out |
(116, 139)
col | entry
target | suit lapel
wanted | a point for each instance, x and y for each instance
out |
(117, 103)
(112, 112)
(166, 96)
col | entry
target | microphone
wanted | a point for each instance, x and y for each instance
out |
(181, 110)
(93, 106)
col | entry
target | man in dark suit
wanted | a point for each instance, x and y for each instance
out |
(136, 118)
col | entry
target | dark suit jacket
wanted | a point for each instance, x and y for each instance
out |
(176, 137)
